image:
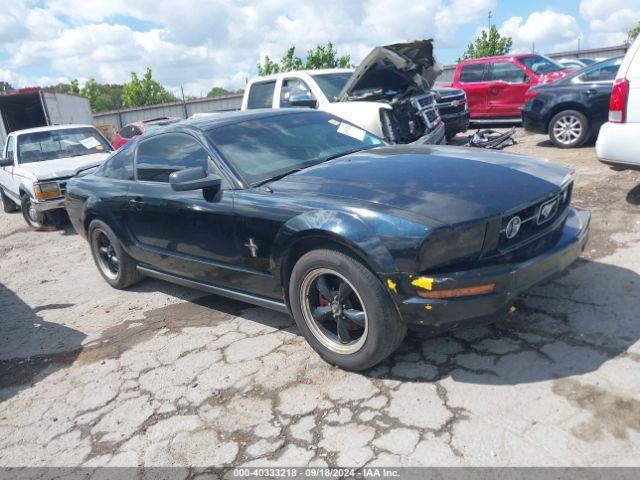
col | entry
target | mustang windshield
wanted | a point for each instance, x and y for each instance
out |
(269, 147)
(53, 144)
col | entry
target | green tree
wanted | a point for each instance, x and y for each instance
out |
(215, 91)
(633, 33)
(74, 88)
(488, 44)
(5, 86)
(267, 67)
(144, 91)
(322, 56)
(325, 56)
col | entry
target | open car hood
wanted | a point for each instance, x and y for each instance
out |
(398, 67)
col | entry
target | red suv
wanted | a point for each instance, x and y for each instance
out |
(135, 129)
(496, 86)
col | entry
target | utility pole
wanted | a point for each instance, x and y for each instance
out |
(490, 15)
(184, 103)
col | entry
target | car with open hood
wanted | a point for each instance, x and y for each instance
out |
(389, 94)
(305, 213)
(38, 162)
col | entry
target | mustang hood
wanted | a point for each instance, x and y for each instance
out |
(399, 67)
(448, 184)
(63, 167)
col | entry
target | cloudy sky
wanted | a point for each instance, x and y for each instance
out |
(201, 43)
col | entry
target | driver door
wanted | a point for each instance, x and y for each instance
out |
(182, 233)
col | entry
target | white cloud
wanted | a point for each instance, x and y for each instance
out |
(200, 43)
(609, 20)
(547, 31)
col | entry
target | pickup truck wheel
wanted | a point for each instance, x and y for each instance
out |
(115, 266)
(343, 310)
(569, 129)
(8, 205)
(33, 218)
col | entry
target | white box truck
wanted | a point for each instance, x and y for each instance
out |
(34, 107)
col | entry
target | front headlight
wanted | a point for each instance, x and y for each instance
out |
(455, 246)
(45, 191)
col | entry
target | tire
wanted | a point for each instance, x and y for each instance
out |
(34, 219)
(114, 264)
(8, 205)
(366, 312)
(569, 129)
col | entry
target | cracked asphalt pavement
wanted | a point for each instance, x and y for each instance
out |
(162, 375)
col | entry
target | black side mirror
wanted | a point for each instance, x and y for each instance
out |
(6, 162)
(194, 179)
(302, 100)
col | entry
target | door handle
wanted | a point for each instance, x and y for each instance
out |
(136, 204)
(592, 91)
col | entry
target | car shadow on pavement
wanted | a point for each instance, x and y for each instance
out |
(570, 326)
(633, 196)
(30, 347)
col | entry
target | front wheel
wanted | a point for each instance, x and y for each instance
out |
(34, 219)
(343, 310)
(569, 129)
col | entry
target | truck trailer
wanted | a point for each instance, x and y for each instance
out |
(35, 107)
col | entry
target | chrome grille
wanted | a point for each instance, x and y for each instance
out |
(535, 219)
(427, 109)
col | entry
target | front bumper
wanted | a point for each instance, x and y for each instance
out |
(510, 280)
(47, 205)
(434, 137)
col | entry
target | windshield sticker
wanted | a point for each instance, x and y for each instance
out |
(335, 122)
(90, 143)
(99, 147)
(351, 131)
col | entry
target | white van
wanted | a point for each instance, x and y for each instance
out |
(619, 139)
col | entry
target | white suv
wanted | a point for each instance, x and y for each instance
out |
(619, 139)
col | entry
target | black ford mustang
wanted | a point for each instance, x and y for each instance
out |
(298, 211)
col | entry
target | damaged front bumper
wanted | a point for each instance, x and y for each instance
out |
(434, 137)
(510, 280)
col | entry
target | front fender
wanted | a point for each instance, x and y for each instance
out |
(341, 227)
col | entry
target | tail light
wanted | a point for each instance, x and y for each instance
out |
(618, 102)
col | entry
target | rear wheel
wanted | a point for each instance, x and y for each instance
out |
(8, 205)
(569, 129)
(343, 310)
(115, 266)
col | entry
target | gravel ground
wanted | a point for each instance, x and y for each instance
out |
(161, 375)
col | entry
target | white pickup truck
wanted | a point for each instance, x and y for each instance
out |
(389, 94)
(37, 163)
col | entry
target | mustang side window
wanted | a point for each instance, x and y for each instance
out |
(120, 165)
(261, 94)
(162, 155)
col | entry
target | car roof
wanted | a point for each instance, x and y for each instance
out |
(319, 71)
(500, 57)
(237, 116)
(50, 128)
